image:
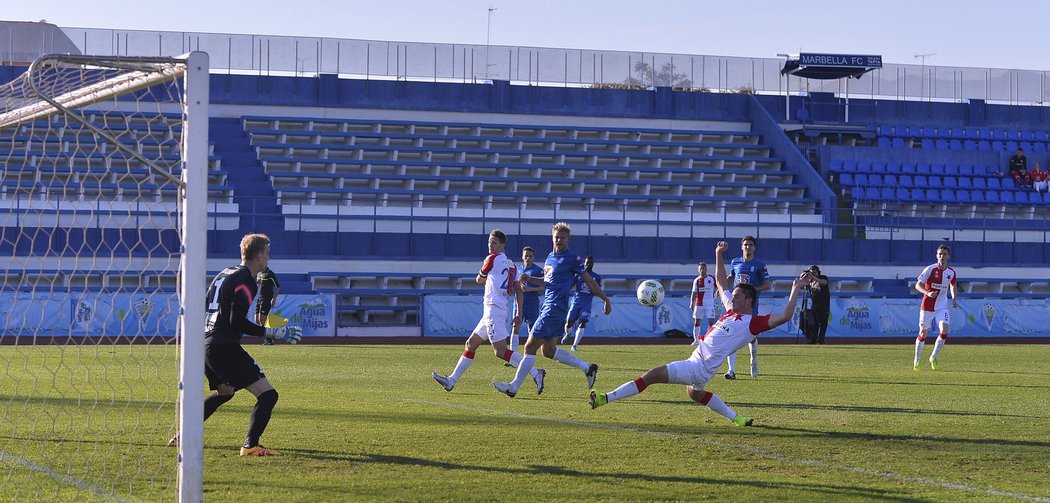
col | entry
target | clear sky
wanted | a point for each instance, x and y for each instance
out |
(1002, 34)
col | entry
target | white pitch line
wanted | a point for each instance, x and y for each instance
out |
(752, 450)
(61, 477)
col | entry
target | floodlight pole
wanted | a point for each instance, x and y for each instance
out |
(922, 72)
(787, 90)
(488, 39)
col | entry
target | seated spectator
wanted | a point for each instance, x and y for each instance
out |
(1019, 169)
(1039, 179)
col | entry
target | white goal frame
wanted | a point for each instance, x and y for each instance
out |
(192, 201)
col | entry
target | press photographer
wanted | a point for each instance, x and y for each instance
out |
(815, 317)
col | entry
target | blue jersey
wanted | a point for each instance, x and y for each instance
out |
(584, 296)
(752, 272)
(531, 300)
(559, 275)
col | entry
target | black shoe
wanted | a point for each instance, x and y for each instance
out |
(592, 375)
(730, 375)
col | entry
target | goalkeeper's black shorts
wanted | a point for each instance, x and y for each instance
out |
(230, 364)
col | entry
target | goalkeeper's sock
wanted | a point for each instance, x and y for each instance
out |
(260, 417)
(461, 366)
(627, 389)
(213, 402)
(563, 356)
(711, 401)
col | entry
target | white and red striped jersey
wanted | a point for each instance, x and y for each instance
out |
(500, 273)
(704, 290)
(938, 280)
(730, 333)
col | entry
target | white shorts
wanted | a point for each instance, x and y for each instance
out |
(702, 312)
(493, 325)
(926, 318)
(691, 372)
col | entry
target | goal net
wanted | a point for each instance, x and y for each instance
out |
(103, 196)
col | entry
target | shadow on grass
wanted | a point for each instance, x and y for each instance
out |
(611, 478)
(843, 380)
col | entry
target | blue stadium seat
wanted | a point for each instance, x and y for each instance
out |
(977, 196)
(889, 180)
(938, 169)
(962, 196)
(864, 167)
(887, 194)
(1008, 184)
(878, 167)
(934, 195)
(994, 184)
(871, 193)
(965, 182)
(922, 168)
(908, 168)
(1007, 197)
(856, 193)
(903, 194)
(970, 145)
(928, 143)
(894, 168)
(991, 196)
(965, 170)
(906, 181)
(941, 144)
(917, 195)
(921, 181)
(1038, 147)
(849, 166)
(875, 180)
(951, 182)
(980, 183)
(846, 180)
(835, 166)
(883, 142)
(984, 146)
(956, 145)
(861, 180)
(897, 142)
(934, 181)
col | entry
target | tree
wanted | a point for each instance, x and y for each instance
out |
(663, 78)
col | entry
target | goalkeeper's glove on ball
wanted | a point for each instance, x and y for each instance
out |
(288, 333)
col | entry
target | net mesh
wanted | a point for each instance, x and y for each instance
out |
(89, 265)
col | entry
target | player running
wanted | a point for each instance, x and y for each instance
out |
(530, 294)
(559, 272)
(580, 308)
(732, 331)
(500, 277)
(934, 280)
(702, 298)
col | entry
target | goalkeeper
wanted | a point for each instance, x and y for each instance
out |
(227, 365)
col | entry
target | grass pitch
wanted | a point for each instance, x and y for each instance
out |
(832, 423)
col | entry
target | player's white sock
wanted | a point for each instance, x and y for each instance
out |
(731, 360)
(938, 345)
(711, 401)
(579, 336)
(514, 358)
(627, 389)
(753, 347)
(528, 362)
(461, 366)
(920, 342)
(696, 333)
(514, 341)
(563, 356)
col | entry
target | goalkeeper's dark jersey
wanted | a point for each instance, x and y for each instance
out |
(229, 297)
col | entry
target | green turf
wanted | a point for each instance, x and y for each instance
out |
(832, 423)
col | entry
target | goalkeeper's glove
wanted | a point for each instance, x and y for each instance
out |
(288, 333)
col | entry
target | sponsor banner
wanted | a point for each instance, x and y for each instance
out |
(456, 316)
(134, 315)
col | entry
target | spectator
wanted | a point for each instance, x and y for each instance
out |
(1019, 169)
(1039, 179)
(821, 307)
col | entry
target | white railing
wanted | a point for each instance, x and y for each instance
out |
(307, 56)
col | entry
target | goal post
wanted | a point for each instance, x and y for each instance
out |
(104, 190)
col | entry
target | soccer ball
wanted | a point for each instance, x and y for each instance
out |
(650, 293)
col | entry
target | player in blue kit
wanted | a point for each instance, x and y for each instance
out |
(749, 270)
(580, 309)
(531, 289)
(559, 273)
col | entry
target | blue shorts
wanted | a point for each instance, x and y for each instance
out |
(551, 324)
(580, 311)
(529, 314)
